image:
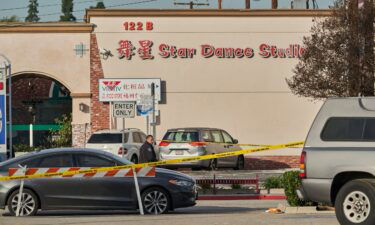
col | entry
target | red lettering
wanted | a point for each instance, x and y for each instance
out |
(191, 52)
(207, 51)
(274, 51)
(229, 52)
(219, 52)
(239, 53)
(182, 52)
(173, 51)
(163, 48)
(249, 52)
(264, 50)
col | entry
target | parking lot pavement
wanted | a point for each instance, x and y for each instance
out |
(206, 212)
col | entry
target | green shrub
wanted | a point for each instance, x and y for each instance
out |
(25, 148)
(290, 182)
(62, 137)
(236, 186)
(273, 182)
(205, 186)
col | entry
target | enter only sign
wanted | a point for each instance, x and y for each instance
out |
(124, 109)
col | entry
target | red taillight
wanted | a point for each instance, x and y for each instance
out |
(122, 151)
(302, 166)
(198, 144)
(163, 144)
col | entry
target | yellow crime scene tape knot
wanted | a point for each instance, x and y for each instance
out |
(153, 164)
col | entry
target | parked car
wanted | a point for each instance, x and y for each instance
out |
(166, 191)
(112, 141)
(188, 142)
(337, 162)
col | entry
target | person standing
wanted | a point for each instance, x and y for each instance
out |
(147, 151)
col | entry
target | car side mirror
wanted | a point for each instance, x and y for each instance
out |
(235, 141)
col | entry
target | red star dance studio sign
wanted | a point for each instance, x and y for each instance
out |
(145, 50)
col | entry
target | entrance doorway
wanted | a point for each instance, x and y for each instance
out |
(38, 100)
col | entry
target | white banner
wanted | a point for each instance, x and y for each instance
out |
(118, 90)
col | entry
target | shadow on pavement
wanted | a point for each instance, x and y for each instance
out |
(197, 210)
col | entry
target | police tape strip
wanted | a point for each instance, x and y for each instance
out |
(141, 172)
(244, 145)
(152, 164)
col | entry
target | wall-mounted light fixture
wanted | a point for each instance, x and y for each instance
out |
(83, 107)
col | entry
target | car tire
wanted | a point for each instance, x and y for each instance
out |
(155, 201)
(29, 206)
(355, 203)
(134, 159)
(240, 165)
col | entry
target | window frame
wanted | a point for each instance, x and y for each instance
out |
(365, 119)
(135, 133)
(77, 164)
(41, 158)
(231, 138)
(221, 135)
(209, 133)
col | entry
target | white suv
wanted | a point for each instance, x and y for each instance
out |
(124, 143)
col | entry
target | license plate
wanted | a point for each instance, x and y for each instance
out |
(179, 152)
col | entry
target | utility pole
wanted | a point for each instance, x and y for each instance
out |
(153, 111)
(219, 3)
(274, 4)
(247, 4)
(191, 4)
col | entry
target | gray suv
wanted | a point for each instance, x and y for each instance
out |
(338, 159)
(188, 142)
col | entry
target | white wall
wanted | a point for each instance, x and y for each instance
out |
(247, 97)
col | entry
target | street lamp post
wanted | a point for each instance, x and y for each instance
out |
(8, 72)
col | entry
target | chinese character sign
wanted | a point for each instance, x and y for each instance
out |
(113, 90)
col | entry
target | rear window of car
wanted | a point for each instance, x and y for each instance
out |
(349, 129)
(181, 136)
(107, 138)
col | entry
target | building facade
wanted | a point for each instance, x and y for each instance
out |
(219, 68)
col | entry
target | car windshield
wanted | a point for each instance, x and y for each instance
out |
(181, 136)
(105, 138)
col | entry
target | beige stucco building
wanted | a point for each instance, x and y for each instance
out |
(221, 68)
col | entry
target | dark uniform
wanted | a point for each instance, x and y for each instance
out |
(147, 153)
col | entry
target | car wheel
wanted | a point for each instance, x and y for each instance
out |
(29, 203)
(155, 201)
(213, 164)
(355, 203)
(240, 163)
(134, 159)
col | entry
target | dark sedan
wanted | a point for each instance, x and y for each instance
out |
(166, 191)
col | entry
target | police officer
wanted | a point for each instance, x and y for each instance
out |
(147, 152)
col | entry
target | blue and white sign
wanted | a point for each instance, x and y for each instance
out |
(3, 129)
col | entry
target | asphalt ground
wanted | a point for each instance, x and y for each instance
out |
(243, 212)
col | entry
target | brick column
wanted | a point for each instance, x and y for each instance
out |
(99, 110)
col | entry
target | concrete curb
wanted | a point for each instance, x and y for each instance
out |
(240, 197)
(303, 210)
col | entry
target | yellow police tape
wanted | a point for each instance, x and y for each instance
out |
(219, 143)
(160, 163)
